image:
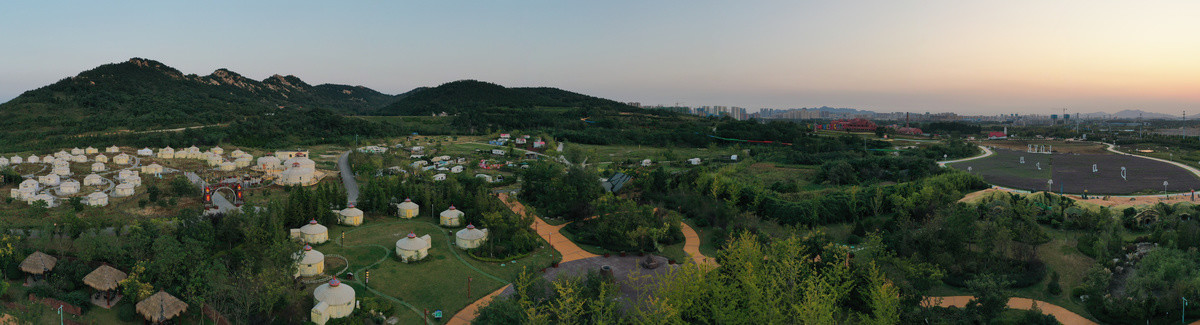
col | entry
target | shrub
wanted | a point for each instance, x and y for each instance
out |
(1053, 288)
(126, 312)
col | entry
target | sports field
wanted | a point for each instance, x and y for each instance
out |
(1072, 173)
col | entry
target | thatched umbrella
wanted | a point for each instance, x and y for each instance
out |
(104, 278)
(38, 263)
(160, 307)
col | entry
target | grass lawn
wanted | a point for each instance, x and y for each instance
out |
(439, 281)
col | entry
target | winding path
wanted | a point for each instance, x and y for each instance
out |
(691, 245)
(986, 152)
(348, 180)
(564, 246)
(1112, 148)
(1063, 315)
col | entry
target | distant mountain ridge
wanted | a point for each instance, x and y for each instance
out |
(472, 95)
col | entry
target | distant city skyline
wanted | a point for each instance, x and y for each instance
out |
(967, 57)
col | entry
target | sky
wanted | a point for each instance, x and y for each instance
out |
(968, 57)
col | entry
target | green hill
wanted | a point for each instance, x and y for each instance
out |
(142, 94)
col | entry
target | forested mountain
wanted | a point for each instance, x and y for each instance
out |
(471, 95)
(142, 94)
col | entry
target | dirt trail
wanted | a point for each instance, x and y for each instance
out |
(691, 245)
(467, 314)
(1063, 315)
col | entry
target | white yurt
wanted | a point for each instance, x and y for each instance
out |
(113, 149)
(123, 189)
(30, 184)
(3, 161)
(62, 170)
(145, 152)
(332, 300)
(33, 159)
(238, 153)
(213, 160)
(152, 169)
(297, 176)
(96, 199)
(350, 216)
(79, 158)
(456, 169)
(268, 163)
(68, 187)
(92, 179)
(49, 159)
(243, 162)
(90, 151)
(98, 167)
(166, 153)
(100, 159)
(217, 150)
(122, 159)
(227, 166)
(439, 177)
(62, 154)
(49, 180)
(127, 173)
(300, 162)
(452, 217)
(16, 160)
(309, 262)
(76, 151)
(49, 199)
(312, 233)
(134, 180)
(407, 209)
(413, 248)
(193, 152)
(470, 237)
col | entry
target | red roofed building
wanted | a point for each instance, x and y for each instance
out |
(994, 135)
(855, 124)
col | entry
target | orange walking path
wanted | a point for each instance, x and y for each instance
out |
(691, 245)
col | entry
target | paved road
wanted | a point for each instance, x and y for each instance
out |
(986, 152)
(348, 181)
(223, 205)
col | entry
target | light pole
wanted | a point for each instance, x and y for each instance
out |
(1182, 313)
(1164, 187)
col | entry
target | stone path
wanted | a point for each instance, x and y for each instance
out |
(691, 245)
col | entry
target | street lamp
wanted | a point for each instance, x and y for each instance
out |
(1164, 186)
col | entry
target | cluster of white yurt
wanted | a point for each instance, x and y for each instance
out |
(350, 216)
(131, 177)
(16, 160)
(452, 217)
(165, 153)
(312, 233)
(79, 158)
(213, 160)
(413, 248)
(299, 171)
(68, 187)
(92, 180)
(470, 237)
(153, 168)
(227, 166)
(113, 149)
(27, 189)
(148, 152)
(121, 159)
(407, 209)
(192, 152)
(62, 154)
(49, 180)
(96, 199)
(332, 300)
(309, 262)
(243, 161)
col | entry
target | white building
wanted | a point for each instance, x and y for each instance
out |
(113, 149)
(68, 187)
(100, 159)
(33, 159)
(456, 169)
(16, 160)
(152, 169)
(3, 161)
(217, 150)
(49, 180)
(123, 190)
(98, 167)
(332, 300)
(439, 177)
(121, 159)
(470, 237)
(165, 153)
(79, 158)
(407, 209)
(452, 217)
(694, 161)
(350, 216)
(96, 199)
(413, 248)
(312, 233)
(145, 152)
(309, 262)
(90, 151)
(93, 179)
(77, 151)
(268, 164)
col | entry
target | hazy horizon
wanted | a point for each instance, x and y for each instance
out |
(938, 56)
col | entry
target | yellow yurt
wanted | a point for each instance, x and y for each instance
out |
(350, 216)
(332, 300)
(312, 233)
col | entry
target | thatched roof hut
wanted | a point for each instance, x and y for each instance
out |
(104, 278)
(38, 263)
(160, 307)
